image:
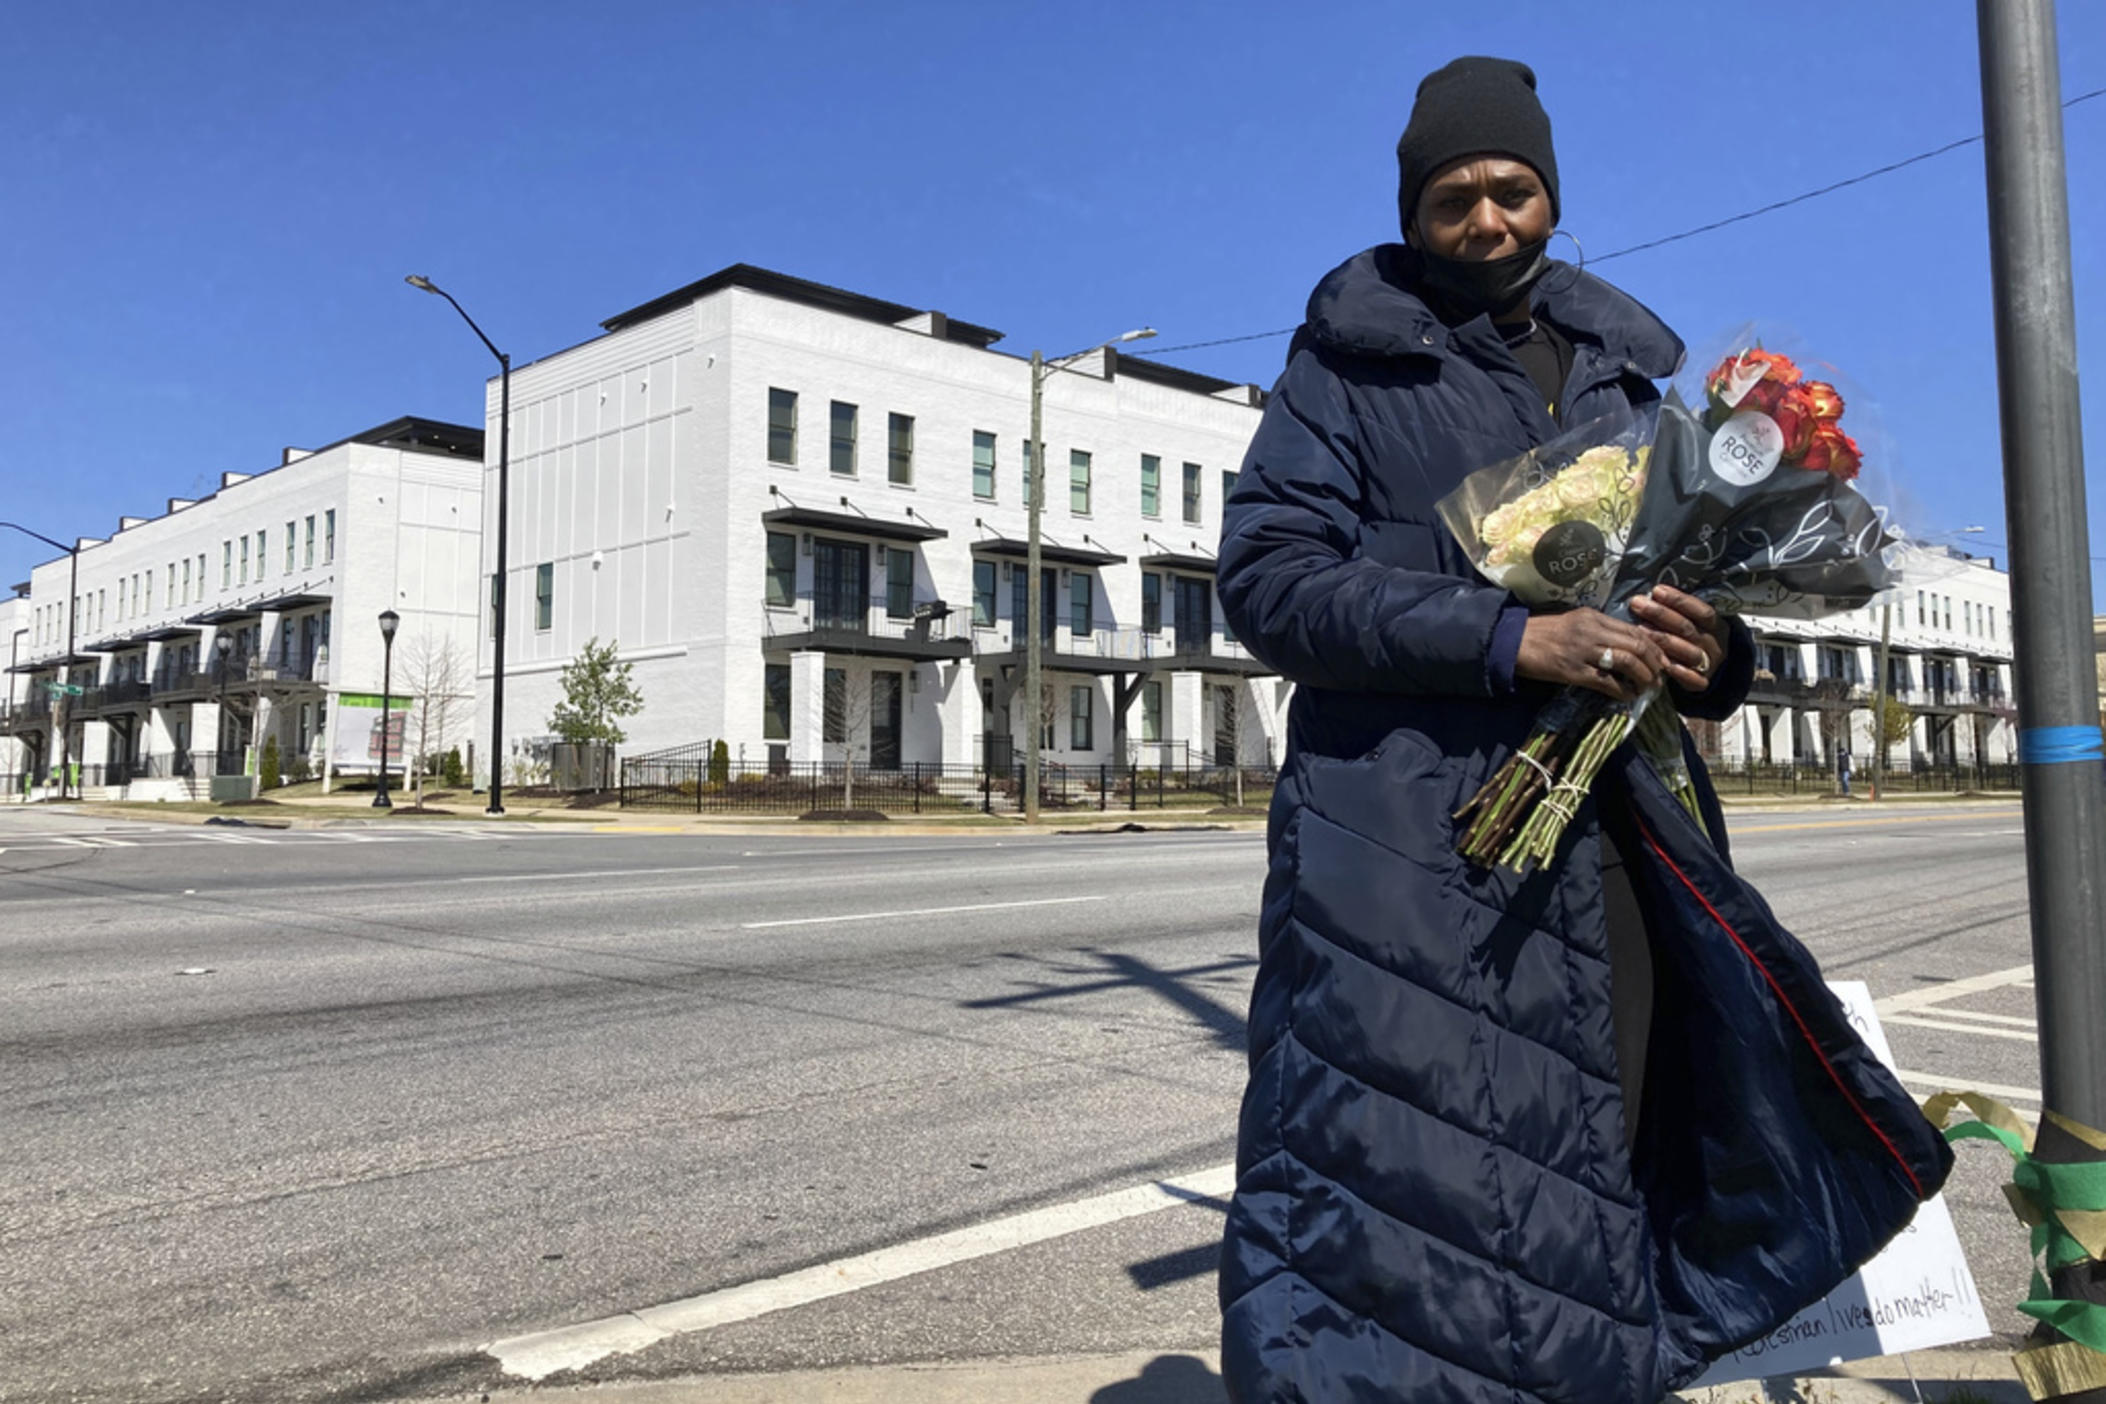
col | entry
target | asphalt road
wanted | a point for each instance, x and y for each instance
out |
(324, 1115)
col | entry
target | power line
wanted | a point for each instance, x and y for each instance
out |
(1716, 224)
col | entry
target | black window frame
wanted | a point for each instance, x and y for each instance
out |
(1082, 604)
(781, 586)
(899, 584)
(984, 440)
(544, 597)
(840, 449)
(775, 702)
(1194, 492)
(1151, 602)
(899, 449)
(782, 426)
(986, 582)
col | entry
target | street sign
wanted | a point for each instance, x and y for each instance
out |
(65, 689)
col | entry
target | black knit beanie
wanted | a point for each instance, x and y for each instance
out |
(1474, 107)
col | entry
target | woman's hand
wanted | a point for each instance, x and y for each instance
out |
(1586, 648)
(1690, 633)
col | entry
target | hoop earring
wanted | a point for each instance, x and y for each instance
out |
(1578, 268)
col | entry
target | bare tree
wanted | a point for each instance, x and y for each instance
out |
(847, 706)
(435, 671)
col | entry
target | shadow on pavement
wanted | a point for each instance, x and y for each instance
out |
(1167, 1379)
(1116, 970)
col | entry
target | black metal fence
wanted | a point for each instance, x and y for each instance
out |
(685, 785)
(1760, 778)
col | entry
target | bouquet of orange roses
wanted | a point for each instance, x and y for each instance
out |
(1749, 504)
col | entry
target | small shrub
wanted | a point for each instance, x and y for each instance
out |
(455, 775)
(720, 764)
(272, 776)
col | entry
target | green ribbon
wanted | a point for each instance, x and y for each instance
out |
(2049, 1190)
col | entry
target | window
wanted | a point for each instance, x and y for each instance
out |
(782, 426)
(899, 449)
(244, 560)
(836, 706)
(1081, 590)
(1191, 492)
(307, 552)
(1919, 606)
(1151, 602)
(1025, 496)
(899, 584)
(782, 571)
(262, 554)
(1078, 482)
(1151, 711)
(186, 579)
(983, 464)
(201, 575)
(290, 541)
(226, 565)
(1948, 613)
(149, 591)
(496, 587)
(983, 594)
(1151, 485)
(329, 536)
(775, 703)
(544, 596)
(1081, 713)
(842, 450)
(1228, 485)
(169, 594)
(1992, 622)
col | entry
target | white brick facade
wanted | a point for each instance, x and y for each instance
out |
(1949, 650)
(293, 567)
(641, 473)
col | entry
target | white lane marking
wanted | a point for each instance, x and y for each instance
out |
(1930, 1082)
(234, 838)
(105, 841)
(1952, 989)
(1979, 1031)
(72, 842)
(1946, 1011)
(918, 911)
(542, 1353)
(605, 873)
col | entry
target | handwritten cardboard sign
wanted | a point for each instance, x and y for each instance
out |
(1916, 1294)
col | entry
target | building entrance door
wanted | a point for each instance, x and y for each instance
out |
(1195, 614)
(884, 721)
(840, 585)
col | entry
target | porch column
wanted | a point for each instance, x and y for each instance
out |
(807, 706)
(1186, 723)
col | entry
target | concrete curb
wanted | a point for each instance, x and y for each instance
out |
(1193, 1377)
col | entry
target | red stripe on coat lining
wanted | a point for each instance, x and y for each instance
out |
(1778, 990)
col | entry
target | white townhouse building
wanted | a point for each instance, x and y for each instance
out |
(204, 633)
(798, 511)
(14, 687)
(1948, 662)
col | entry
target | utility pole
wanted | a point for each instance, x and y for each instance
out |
(1879, 699)
(1034, 604)
(2059, 736)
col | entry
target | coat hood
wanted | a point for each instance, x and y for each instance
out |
(1369, 306)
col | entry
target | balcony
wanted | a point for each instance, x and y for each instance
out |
(31, 714)
(117, 695)
(924, 636)
(1122, 651)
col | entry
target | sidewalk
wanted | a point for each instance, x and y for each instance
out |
(1192, 1377)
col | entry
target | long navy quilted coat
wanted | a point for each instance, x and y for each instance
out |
(1434, 1201)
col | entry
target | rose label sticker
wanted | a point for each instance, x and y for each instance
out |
(1747, 448)
(1568, 554)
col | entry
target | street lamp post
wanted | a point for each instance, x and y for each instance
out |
(223, 649)
(64, 727)
(1034, 603)
(498, 588)
(388, 620)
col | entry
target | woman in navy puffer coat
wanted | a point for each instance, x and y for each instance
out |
(1442, 1194)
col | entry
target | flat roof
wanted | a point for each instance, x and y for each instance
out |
(804, 290)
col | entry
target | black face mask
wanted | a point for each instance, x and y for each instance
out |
(1491, 285)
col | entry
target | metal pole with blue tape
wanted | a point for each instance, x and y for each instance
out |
(2057, 687)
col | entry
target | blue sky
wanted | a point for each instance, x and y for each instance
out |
(210, 209)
